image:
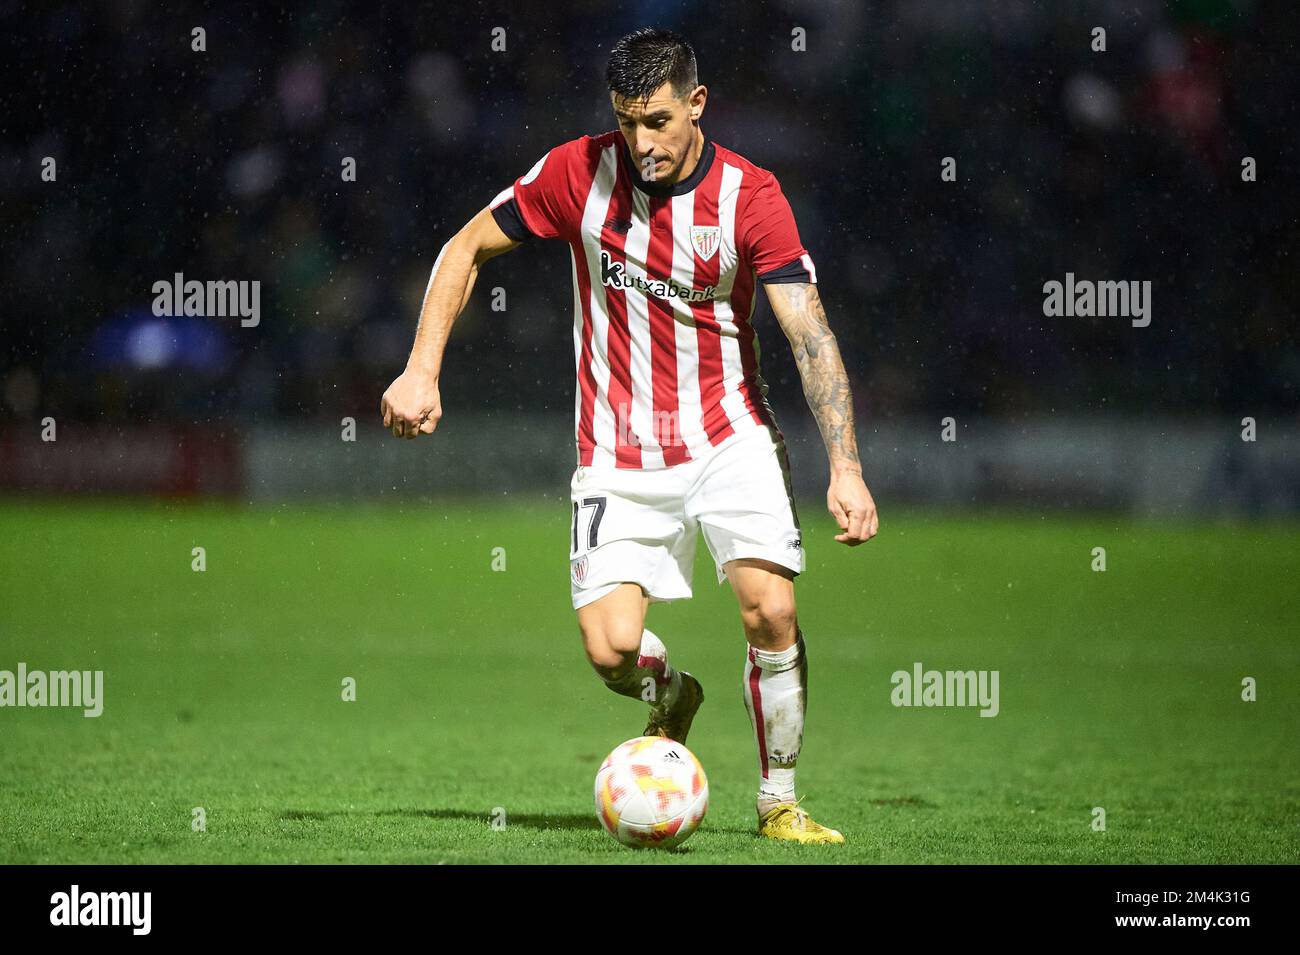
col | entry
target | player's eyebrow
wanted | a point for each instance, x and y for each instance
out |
(657, 114)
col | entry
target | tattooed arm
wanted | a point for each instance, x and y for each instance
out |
(799, 311)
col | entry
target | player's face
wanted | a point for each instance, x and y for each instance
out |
(662, 129)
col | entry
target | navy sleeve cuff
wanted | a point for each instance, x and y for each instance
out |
(511, 222)
(792, 271)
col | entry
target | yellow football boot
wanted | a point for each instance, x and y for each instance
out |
(788, 820)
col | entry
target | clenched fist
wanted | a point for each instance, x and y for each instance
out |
(412, 405)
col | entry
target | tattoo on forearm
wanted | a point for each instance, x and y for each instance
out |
(825, 382)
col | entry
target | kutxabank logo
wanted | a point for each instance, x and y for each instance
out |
(617, 275)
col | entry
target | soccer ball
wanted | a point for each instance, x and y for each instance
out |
(651, 792)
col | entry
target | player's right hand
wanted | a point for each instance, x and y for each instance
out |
(412, 405)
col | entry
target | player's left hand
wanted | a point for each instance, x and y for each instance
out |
(851, 505)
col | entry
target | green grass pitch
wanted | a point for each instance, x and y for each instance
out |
(1119, 690)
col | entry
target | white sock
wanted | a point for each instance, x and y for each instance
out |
(776, 692)
(651, 679)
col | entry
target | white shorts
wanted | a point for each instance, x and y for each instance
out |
(641, 526)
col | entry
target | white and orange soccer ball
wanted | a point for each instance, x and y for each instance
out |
(651, 792)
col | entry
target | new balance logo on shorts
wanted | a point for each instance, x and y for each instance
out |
(794, 543)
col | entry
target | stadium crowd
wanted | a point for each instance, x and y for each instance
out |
(227, 163)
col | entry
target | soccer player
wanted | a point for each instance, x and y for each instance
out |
(668, 232)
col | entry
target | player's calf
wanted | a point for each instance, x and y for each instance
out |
(765, 593)
(611, 629)
(776, 690)
(633, 662)
(643, 673)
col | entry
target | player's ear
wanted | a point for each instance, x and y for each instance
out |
(698, 98)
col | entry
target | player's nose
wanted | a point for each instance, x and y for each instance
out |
(645, 147)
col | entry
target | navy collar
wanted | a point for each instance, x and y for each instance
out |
(678, 189)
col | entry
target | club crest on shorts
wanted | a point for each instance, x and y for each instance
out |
(580, 569)
(706, 239)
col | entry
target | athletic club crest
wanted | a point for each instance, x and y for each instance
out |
(580, 569)
(706, 239)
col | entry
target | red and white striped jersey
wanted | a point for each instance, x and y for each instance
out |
(664, 281)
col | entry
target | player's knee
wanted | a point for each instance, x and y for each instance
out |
(770, 619)
(610, 663)
(610, 650)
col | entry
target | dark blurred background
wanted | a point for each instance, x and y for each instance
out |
(226, 164)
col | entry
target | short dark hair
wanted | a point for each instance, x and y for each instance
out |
(646, 59)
